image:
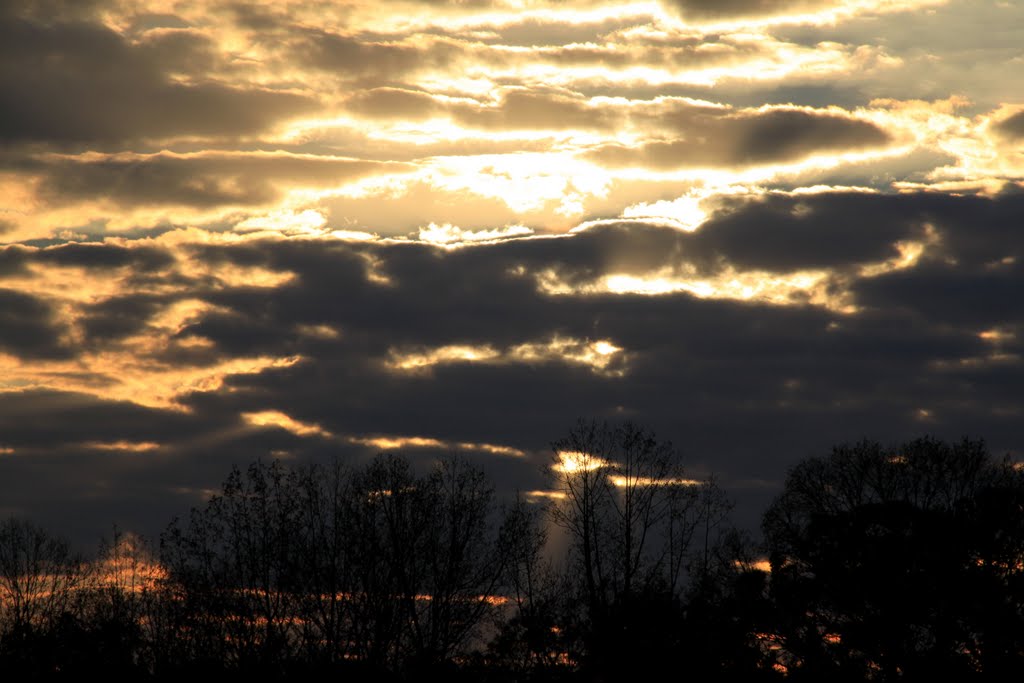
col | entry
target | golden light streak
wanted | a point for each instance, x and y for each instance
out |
(392, 443)
(275, 418)
(126, 446)
(601, 356)
(318, 331)
(525, 181)
(799, 287)
(542, 494)
(307, 221)
(573, 462)
(984, 161)
(354, 235)
(389, 443)
(449, 235)
(684, 212)
(598, 355)
(997, 335)
(760, 565)
(442, 355)
(909, 254)
(631, 481)
(122, 376)
(127, 566)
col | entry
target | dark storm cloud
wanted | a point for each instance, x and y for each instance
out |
(1012, 126)
(798, 364)
(784, 232)
(480, 294)
(119, 317)
(78, 480)
(101, 256)
(202, 180)
(46, 11)
(729, 9)
(839, 230)
(796, 361)
(29, 326)
(939, 291)
(13, 259)
(745, 388)
(719, 138)
(80, 82)
(27, 419)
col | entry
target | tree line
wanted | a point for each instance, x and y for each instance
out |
(876, 563)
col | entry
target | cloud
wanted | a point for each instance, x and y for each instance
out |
(794, 374)
(726, 9)
(89, 85)
(729, 10)
(1012, 126)
(29, 326)
(358, 56)
(521, 109)
(207, 179)
(792, 227)
(786, 232)
(715, 137)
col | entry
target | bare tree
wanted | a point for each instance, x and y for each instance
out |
(430, 561)
(39, 581)
(629, 508)
(630, 513)
(900, 562)
(378, 567)
(235, 559)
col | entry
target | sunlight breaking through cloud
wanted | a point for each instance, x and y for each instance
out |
(602, 356)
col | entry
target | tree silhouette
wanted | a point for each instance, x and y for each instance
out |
(631, 514)
(899, 563)
(235, 560)
(377, 570)
(39, 580)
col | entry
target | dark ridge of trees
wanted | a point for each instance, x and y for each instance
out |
(886, 563)
(900, 563)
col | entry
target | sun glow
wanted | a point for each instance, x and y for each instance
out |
(772, 288)
(574, 462)
(602, 356)
(275, 418)
(395, 443)
(121, 376)
(123, 446)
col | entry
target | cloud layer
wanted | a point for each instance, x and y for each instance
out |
(284, 231)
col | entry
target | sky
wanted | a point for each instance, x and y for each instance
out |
(307, 230)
